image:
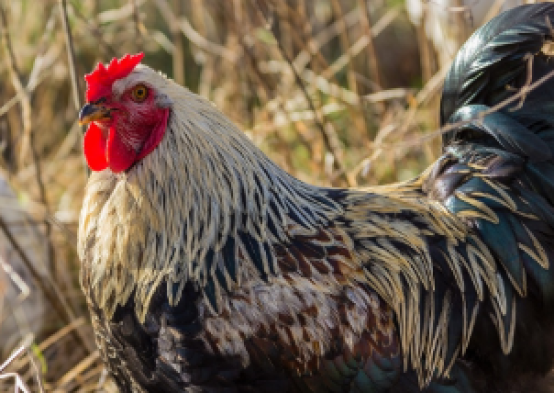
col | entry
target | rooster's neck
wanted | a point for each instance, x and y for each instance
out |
(187, 208)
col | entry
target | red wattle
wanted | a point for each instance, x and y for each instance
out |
(156, 135)
(102, 152)
(120, 156)
(95, 148)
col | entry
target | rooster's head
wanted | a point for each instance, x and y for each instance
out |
(126, 115)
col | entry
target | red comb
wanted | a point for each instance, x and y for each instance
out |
(99, 81)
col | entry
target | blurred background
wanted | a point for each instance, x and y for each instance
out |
(337, 92)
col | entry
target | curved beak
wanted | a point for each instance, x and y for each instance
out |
(93, 112)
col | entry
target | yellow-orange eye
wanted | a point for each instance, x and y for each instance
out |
(139, 93)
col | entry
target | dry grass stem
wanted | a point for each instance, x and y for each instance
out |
(50, 289)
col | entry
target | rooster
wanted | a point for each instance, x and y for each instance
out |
(207, 268)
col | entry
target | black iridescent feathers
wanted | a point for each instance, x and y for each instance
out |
(494, 61)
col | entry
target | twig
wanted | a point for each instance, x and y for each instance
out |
(19, 384)
(524, 91)
(102, 380)
(371, 54)
(386, 95)
(193, 36)
(334, 90)
(7, 41)
(345, 43)
(314, 44)
(260, 80)
(72, 69)
(198, 16)
(494, 10)
(33, 362)
(75, 371)
(41, 66)
(360, 121)
(178, 42)
(116, 14)
(327, 132)
(363, 42)
(67, 329)
(44, 345)
(48, 287)
(70, 56)
(19, 95)
(93, 28)
(15, 76)
(299, 40)
(424, 46)
(14, 355)
(28, 134)
(431, 88)
(460, 23)
(136, 20)
(16, 279)
(204, 43)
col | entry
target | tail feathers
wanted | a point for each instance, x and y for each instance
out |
(498, 177)
(507, 134)
(494, 60)
(497, 170)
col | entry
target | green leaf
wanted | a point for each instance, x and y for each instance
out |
(265, 36)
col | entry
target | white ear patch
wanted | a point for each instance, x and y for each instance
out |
(142, 75)
(163, 101)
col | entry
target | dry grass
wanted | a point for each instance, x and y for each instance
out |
(331, 90)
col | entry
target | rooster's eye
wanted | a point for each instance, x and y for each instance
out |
(139, 93)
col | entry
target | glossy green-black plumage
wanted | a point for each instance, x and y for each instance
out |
(501, 152)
